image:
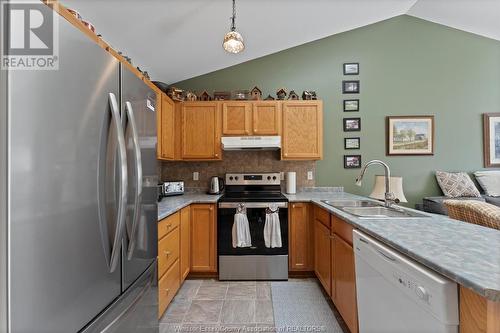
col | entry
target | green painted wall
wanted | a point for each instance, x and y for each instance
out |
(408, 66)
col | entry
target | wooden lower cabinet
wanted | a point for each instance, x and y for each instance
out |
(185, 255)
(301, 250)
(169, 278)
(203, 238)
(345, 282)
(322, 260)
(477, 314)
(168, 285)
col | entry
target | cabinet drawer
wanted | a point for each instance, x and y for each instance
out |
(322, 215)
(168, 224)
(168, 251)
(167, 287)
(342, 229)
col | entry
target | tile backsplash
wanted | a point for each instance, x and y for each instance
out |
(236, 161)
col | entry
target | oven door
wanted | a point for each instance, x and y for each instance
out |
(256, 262)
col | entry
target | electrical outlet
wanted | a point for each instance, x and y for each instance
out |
(309, 175)
(282, 175)
(196, 175)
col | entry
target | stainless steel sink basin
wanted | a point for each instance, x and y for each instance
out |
(381, 212)
(351, 203)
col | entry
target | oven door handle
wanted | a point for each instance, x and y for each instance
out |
(252, 204)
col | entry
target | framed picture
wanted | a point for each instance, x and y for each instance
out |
(352, 161)
(351, 105)
(350, 87)
(352, 124)
(410, 135)
(352, 143)
(351, 68)
(491, 140)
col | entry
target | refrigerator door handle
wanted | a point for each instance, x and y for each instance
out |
(138, 185)
(122, 199)
(115, 121)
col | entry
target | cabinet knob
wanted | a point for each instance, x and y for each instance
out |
(285, 154)
(216, 155)
(167, 253)
(211, 208)
(293, 206)
(167, 291)
(169, 225)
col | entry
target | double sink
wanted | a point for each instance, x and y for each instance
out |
(372, 210)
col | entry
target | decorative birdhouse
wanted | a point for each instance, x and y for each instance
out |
(293, 96)
(222, 95)
(175, 94)
(281, 93)
(256, 94)
(204, 96)
(190, 96)
(269, 98)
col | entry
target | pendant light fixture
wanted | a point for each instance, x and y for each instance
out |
(233, 42)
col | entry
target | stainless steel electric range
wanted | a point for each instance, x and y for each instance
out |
(255, 192)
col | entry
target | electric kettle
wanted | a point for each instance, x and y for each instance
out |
(216, 185)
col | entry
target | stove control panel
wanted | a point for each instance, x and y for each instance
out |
(253, 178)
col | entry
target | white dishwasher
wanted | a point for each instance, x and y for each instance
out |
(397, 295)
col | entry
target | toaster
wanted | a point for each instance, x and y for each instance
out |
(172, 188)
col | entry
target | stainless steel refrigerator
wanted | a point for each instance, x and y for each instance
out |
(78, 175)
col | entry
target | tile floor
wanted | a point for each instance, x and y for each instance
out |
(207, 305)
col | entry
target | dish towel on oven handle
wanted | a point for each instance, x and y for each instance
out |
(241, 229)
(272, 229)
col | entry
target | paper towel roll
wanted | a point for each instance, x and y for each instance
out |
(291, 182)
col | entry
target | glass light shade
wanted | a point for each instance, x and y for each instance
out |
(233, 42)
(396, 184)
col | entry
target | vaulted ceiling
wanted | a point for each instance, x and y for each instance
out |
(178, 39)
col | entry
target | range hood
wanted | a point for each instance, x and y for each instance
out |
(251, 142)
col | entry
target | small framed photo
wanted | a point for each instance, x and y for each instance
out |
(352, 143)
(351, 68)
(352, 161)
(410, 135)
(352, 124)
(350, 87)
(491, 140)
(351, 105)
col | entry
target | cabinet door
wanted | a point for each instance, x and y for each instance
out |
(322, 255)
(345, 283)
(203, 238)
(301, 240)
(166, 129)
(185, 242)
(302, 130)
(200, 131)
(266, 118)
(236, 118)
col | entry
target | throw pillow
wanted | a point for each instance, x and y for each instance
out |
(456, 184)
(489, 181)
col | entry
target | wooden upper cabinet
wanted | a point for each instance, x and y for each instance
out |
(345, 283)
(266, 118)
(302, 130)
(236, 118)
(301, 238)
(322, 259)
(203, 238)
(200, 131)
(166, 128)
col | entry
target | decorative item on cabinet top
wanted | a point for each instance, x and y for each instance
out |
(175, 94)
(281, 94)
(269, 98)
(241, 95)
(190, 96)
(309, 95)
(204, 96)
(222, 95)
(256, 94)
(293, 96)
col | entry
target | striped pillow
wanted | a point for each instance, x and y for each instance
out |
(456, 184)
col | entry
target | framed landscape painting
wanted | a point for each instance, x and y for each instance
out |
(491, 140)
(410, 135)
